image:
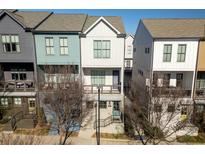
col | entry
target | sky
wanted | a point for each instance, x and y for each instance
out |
(131, 17)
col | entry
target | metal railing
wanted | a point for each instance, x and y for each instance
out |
(105, 89)
(200, 88)
(171, 91)
(17, 85)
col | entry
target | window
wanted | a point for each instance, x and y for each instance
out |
(171, 108)
(98, 77)
(18, 76)
(51, 78)
(103, 104)
(4, 101)
(158, 108)
(179, 77)
(129, 49)
(10, 43)
(49, 46)
(181, 54)
(17, 101)
(32, 103)
(101, 49)
(128, 63)
(63, 45)
(167, 53)
(146, 50)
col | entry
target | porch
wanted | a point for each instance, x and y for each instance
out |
(200, 85)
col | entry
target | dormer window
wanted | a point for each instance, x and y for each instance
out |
(10, 43)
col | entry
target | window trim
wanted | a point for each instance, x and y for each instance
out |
(167, 53)
(15, 101)
(63, 46)
(102, 50)
(103, 106)
(10, 43)
(49, 37)
(181, 53)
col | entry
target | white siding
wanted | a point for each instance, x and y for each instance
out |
(190, 61)
(128, 42)
(102, 32)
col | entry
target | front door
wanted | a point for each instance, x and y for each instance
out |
(116, 79)
(31, 105)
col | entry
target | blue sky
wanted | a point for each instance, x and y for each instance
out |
(132, 17)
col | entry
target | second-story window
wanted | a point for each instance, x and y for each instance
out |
(167, 53)
(10, 43)
(129, 49)
(18, 76)
(146, 50)
(49, 45)
(63, 45)
(181, 53)
(101, 49)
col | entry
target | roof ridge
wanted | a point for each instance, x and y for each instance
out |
(172, 18)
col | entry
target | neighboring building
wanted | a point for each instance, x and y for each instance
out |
(165, 56)
(102, 55)
(128, 63)
(58, 44)
(17, 60)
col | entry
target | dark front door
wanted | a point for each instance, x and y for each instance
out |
(116, 78)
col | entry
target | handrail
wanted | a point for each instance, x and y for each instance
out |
(15, 119)
(104, 122)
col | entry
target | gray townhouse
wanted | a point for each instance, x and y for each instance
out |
(18, 60)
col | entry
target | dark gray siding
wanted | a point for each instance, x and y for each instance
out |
(27, 54)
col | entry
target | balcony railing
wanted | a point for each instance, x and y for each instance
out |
(175, 92)
(16, 86)
(105, 89)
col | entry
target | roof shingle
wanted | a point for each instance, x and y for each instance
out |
(175, 28)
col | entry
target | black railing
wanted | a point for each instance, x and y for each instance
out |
(105, 89)
(17, 85)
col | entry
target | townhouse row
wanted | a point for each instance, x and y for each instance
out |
(170, 54)
(93, 46)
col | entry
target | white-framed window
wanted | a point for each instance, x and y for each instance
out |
(51, 78)
(49, 45)
(101, 48)
(129, 49)
(10, 43)
(32, 102)
(167, 53)
(4, 102)
(98, 77)
(17, 101)
(181, 53)
(63, 45)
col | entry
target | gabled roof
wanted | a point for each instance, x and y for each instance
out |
(26, 19)
(175, 28)
(31, 19)
(115, 21)
(63, 23)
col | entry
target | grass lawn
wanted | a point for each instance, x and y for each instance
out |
(112, 136)
(200, 139)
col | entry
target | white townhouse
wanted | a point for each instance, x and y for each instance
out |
(102, 61)
(128, 62)
(165, 55)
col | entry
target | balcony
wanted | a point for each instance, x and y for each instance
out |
(105, 89)
(17, 86)
(171, 91)
(200, 88)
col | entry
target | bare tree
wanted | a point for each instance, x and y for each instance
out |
(63, 91)
(155, 114)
